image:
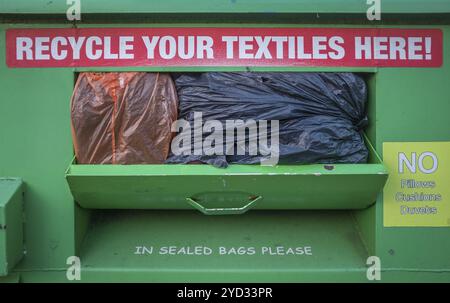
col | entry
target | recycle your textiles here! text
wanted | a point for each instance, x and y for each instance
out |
(59, 48)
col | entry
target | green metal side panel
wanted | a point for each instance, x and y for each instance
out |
(413, 105)
(11, 224)
(36, 145)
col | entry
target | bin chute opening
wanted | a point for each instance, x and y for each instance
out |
(219, 118)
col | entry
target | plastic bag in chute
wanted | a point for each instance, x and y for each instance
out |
(123, 118)
(320, 115)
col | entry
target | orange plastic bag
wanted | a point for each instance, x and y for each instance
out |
(123, 118)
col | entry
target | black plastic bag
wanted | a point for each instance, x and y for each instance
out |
(320, 115)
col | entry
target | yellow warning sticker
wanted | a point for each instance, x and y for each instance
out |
(417, 192)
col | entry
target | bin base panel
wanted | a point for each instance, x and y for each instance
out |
(184, 246)
(109, 252)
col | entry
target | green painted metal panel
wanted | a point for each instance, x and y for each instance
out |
(11, 223)
(36, 145)
(11, 278)
(232, 190)
(413, 105)
(346, 186)
(111, 247)
(220, 6)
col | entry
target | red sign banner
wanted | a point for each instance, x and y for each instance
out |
(330, 47)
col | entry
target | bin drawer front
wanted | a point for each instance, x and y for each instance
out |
(342, 186)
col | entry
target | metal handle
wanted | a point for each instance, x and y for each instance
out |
(223, 210)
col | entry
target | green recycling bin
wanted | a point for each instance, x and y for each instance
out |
(385, 219)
